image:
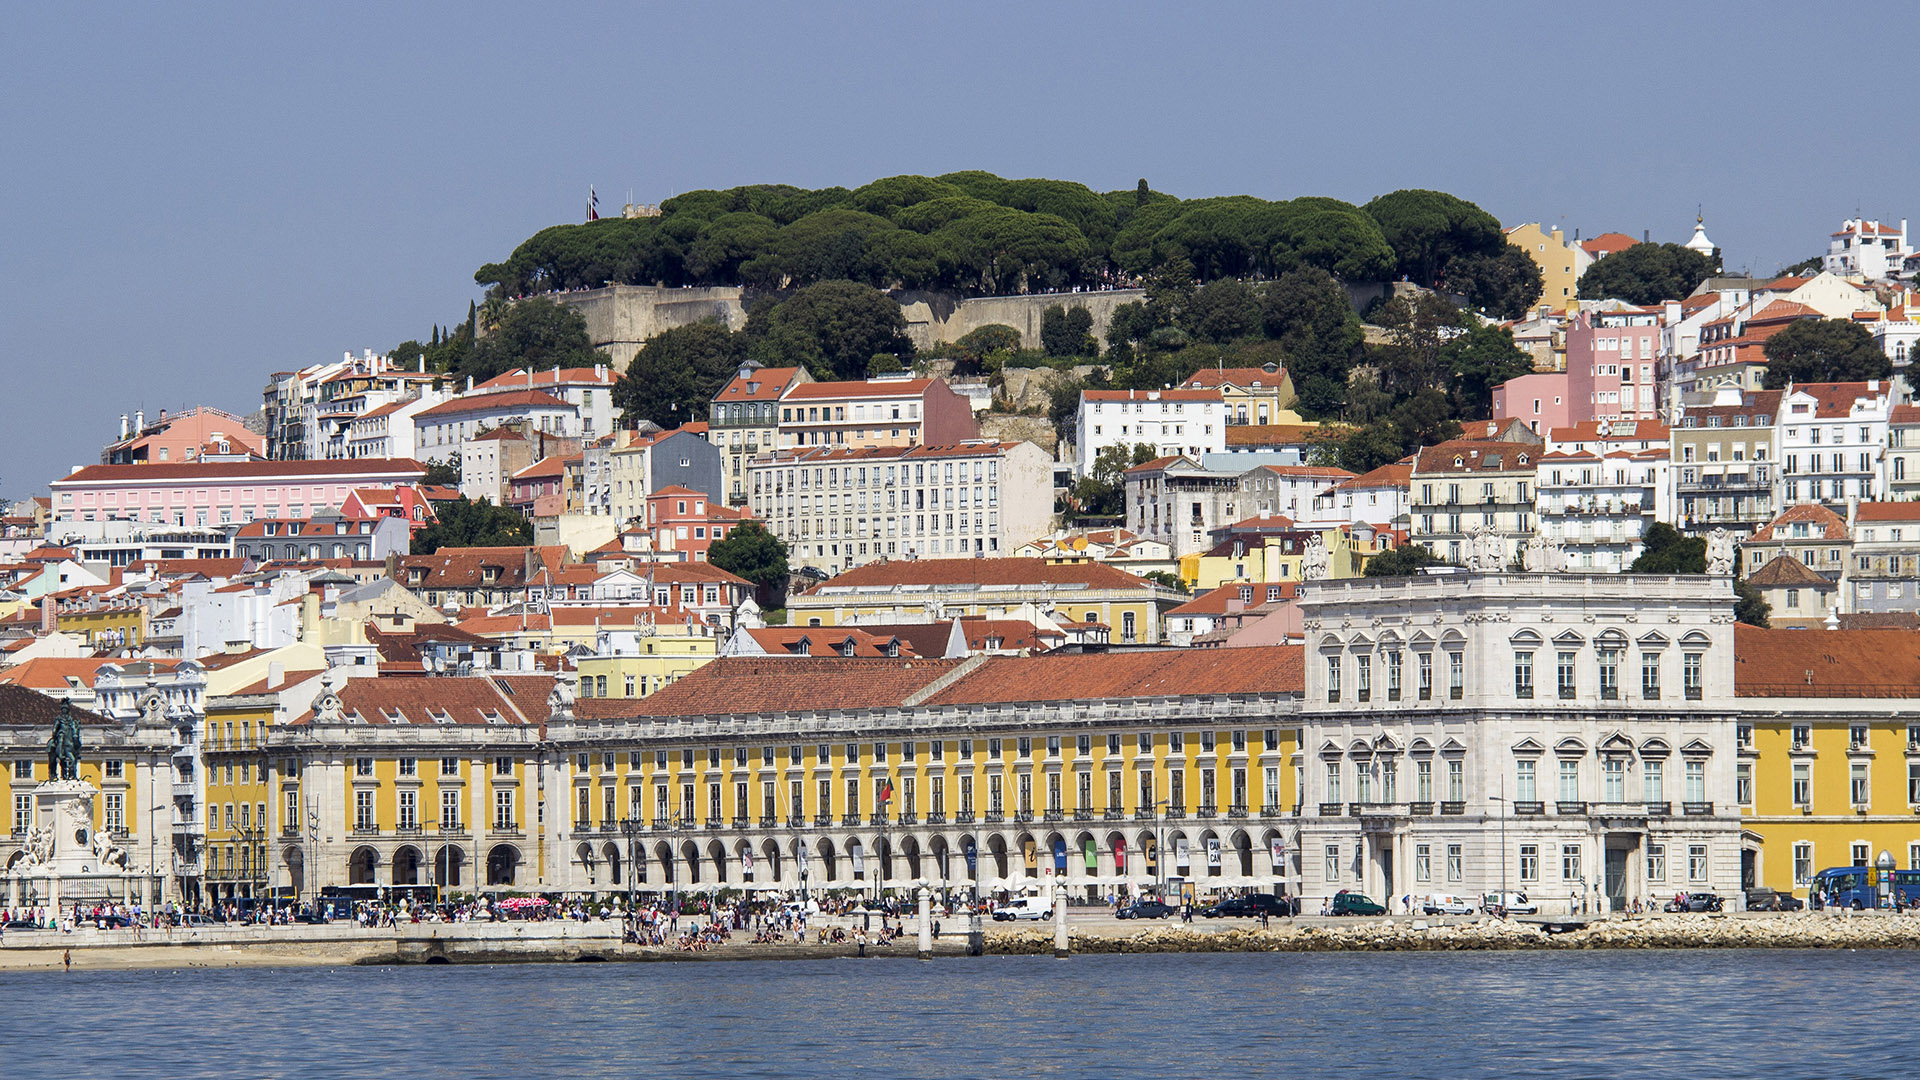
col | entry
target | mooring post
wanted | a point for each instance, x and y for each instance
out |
(926, 924)
(1060, 923)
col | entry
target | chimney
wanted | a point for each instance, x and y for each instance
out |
(469, 384)
(140, 420)
(1646, 236)
(48, 621)
(276, 674)
(125, 430)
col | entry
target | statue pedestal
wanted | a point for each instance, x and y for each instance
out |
(63, 860)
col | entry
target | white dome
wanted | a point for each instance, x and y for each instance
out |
(1700, 243)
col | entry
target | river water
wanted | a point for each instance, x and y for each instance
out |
(1692, 1014)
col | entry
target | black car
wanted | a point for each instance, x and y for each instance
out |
(310, 918)
(1700, 901)
(1144, 909)
(1768, 900)
(1254, 905)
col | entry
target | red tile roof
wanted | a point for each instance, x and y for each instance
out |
(1827, 525)
(1277, 669)
(765, 384)
(1887, 511)
(1239, 378)
(494, 402)
(1784, 570)
(1825, 663)
(826, 641)
(518, 378)
(1397, 475)
(1271, 434)
(22, 707)
(850, 389)
(1476, 456)
(1906, 414)
(1149, 395)
(979, 572)
(472, 700)
(1834, 400)
(185, 471)
(1608, 243)
(734, 685)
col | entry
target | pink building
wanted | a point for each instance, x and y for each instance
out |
(1612, 358)
(204, 493)
(182, 437)
(685, 523)
(1540, 400)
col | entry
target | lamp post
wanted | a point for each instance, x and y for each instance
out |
(253, 846)
(1160, 844)
(630, 929)
(153, 870)
(1502, 800)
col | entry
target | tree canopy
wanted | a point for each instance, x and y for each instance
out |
(751, 552)
(1823, 350)
(834, 328)
(1664, 551)
(1647, 274)
(537, 334)
(977, 233)
(677, 372)
(1505, 285)
(465, 523)
(1402, 561)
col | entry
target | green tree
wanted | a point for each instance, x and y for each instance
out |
(676, 373)
(1064, 331)
(1504, 285)
(1807, 267)
(1823, 350)
(1307, 312)
(1748, 605)
(1168, 578)
(1224, 311)
(1427, 230)
(835, 328)
(1479, 360)
(1417, 331)
(1664, 551)
(1647, 274)
(537, 334)
(465, 523)
(1103, 493)
(1402, 561)
(751, 552)
(984, 347)
(443, 473)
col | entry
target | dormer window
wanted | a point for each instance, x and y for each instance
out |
(1458, 461)
(489, 574)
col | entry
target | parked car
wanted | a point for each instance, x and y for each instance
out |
(311, 918)
(1768, 900)
(1700, 901)
(1144, 909)
(1513, 903)
(1353, 903)
(196, 921)
(1253, 905)
(1445, 904)
(17, 925)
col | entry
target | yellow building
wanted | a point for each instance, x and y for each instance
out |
(1829, 743)
(912, 590)
(1031, 761)
(1263, 555)
(1257, 396)
(635, 661)
(105, 621)
(1561, 263)
(252, 802)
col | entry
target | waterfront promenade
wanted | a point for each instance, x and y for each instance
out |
(557, 941)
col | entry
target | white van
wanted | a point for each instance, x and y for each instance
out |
(1515, 903)
(1445, 904)
(1023, 907)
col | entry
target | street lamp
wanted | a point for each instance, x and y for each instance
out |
(153, 870)
(1502, 800)
(1160, 844)
(631, 931)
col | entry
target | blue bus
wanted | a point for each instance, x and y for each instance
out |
(1860, 887)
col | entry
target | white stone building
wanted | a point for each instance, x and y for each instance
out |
(1550, 734)
(1186, 423)
(1867, 249)
(1833, 439)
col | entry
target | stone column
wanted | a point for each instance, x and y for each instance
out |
(1060, 922)
(926, 924)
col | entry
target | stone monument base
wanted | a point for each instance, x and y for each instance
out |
(64, 861)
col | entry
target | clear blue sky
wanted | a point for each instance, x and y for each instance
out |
(199, 195)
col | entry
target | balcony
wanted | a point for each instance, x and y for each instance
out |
(366, 830)
(768, 821)
(849, 819)
(795, 821)
(1207, 810)
(1237, 810)
(1529, 809)
(185, 789)
(877, 818)
(1659, 809)
(964, 817)
(1083, 815)
(739, 821)
(1696, 809)
(996, 817)
(823, 819)
(1113, 814)
(1420, 809)
(1566, 807)
(1143, 815)
(1331, 809)
(1453, 808)
(713, 821)
(1176, 813)
(1024, 817)
(186, 867)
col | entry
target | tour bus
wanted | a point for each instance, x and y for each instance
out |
(1859, 887)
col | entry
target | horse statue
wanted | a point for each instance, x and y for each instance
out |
(63, 747)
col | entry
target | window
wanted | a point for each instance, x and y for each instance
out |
(1523, 675)
(1613, 780)
(1426, 676)
(1524, 789)
(1565, 673)
(1690, 675)
(503, 809)
(1456, 780)
(1696, 780)
(363, 766)
(1743, 783)
(1857, 783)
(1393, 677)
(1570, 863)
(1363, 677)
(1609, 674)
(114, 819)
(1913, 782)
(1456, 675)
(1529, 862)
(409, 816)
(1802, 736)
(1802, 784)
(1569, 780)
(1653, 781)
(450, 810)
(1423, 781)
(1456, 861)
(1656, 862)
(1803, 863)
(409, 766)
(363, 810)
(1423, 862)
(1333, 781)
(1333, 862)
(1333, 678)
(1696, 862)
(1861, 857)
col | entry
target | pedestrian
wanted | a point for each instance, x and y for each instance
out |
(67, 959)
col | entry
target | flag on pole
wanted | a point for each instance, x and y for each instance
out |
(886, 792)
(593, 204)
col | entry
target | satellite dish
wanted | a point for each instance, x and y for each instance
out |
(1604, 428)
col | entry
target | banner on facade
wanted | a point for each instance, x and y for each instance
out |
(1030, 851)
(973, 861)
(1279, 853)
(1060, 854)
(1093, 856)
(1213, 852)
(1180, 851)
(859, 858)
(1119, 856)
(746, 861)
(801, 853)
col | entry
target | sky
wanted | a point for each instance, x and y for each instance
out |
(197, 196)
